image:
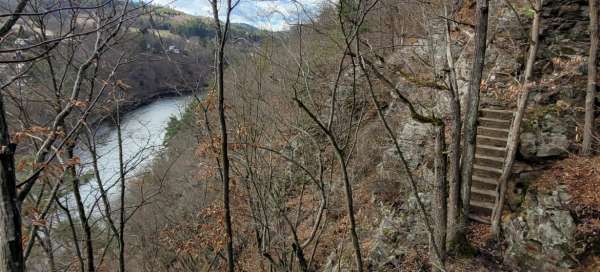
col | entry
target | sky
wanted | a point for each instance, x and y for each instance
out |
(273, 15)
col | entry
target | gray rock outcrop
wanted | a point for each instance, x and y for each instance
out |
(542, 236)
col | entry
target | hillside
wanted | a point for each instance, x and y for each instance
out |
(167, 56)
(375, 136)
(541, 232)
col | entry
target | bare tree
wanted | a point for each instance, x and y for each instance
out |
(472, 110)
(11, 249)
(221, 41)
(41, 49)
(454, 203)
(515, 129)
(436, 223)
(590, 96)
(440, 192)
(121, 234)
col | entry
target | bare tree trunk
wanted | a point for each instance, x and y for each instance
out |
(122, 190)
(103, 193)
(590, 96)
(347, 185)
(437, 262)
(472, 109)
(46, 244)
(350, 209)
(454, 203)
(225, 161)
(11, 249)
(87, 230)
(439, 210)
(73, 233)
(513, 136)
(222, 33)
(12, 20)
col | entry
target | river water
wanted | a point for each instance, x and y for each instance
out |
(143, 131)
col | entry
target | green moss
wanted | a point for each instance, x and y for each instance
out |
(537, 114)
(529, 12)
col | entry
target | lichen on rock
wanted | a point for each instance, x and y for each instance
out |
(542, 235)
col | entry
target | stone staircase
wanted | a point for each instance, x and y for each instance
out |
(492, 135)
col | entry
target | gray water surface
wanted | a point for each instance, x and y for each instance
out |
(143, 133)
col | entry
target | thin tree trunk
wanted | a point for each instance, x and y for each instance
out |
(225, 160)
(590, 96)
(350, 209)
(73, 233)
(439, 210)
(472, 109)
(12, 20)
(45, 210)
(347, 185)
(454, 203)
(122, 191)
(434, 249)
(513, 136)
(99, 182)
(87, 230)
(221, 42)
(48, 248)
(11, 249)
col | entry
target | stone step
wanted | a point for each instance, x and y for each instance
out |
(490, 158)
(487, 168)
(492, 132)
(493, 122)
(490, 161)
(496, 110)
(481, 191)
(482, 198)
(486, 172)
(486, 180)
(482, 204)
(492, 137)
(493, 141)
(490, 150)
(496, 113)
(480, 218)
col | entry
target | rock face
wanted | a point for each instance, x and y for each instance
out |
(565, 20)
(542, 236)
(400, 233)
(546, 136)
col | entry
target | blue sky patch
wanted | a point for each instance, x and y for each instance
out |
(266, 14)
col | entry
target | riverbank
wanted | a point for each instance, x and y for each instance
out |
(138, 100)
(143, 131)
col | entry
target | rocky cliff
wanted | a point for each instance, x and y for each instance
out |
(540, 229)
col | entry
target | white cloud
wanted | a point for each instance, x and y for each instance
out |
(264, 14)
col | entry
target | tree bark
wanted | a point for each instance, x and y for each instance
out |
(11, 249)
(73, 231)
(121, 189)
(472, 109)
(513, 136)
(221, 38)
(87, 230)
(439, 210)
(590, 96)
(454, 203)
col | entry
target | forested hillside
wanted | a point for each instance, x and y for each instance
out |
(377, 135)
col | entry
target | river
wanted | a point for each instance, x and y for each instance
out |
(143, 131)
